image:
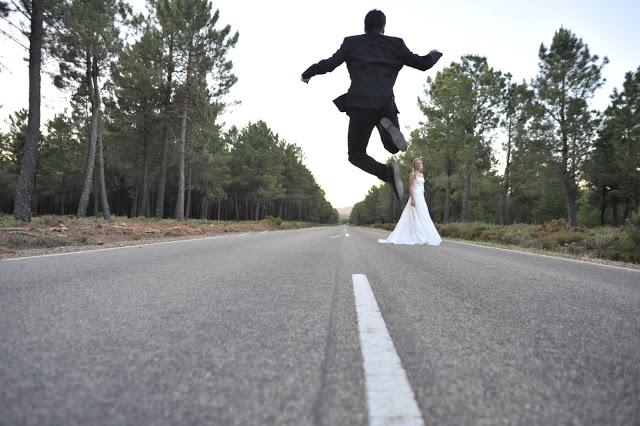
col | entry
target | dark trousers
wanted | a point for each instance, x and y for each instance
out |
(361, 124)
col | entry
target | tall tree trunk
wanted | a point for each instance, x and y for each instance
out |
(627, 209)
(145, 210)
(567, 176)
(103, 184)
(163, 173)
(96, 195)
(466, 185)
(257, 213)
(165, 135)
(188, 214)
(503, 204)
(572, 195)
(218, 209)
(92, 72)
(447, 201)
(183, 141)
(236, 203)
(134, 204)
(504, 199)
(22, 201)
(181, 185)
(603, 205)
(614, 213)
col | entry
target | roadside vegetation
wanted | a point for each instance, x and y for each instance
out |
(53, 233)
(604, 242)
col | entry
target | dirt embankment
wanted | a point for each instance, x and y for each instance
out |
(51, 234)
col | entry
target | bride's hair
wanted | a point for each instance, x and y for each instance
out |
(415, 161)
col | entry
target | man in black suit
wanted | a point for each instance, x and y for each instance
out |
(373, 61)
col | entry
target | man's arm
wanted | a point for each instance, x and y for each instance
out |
(326, 65)
(422, 63)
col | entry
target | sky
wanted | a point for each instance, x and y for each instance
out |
(279, 39)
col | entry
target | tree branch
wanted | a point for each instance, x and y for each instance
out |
(14, 39)
(19, 9)
(26, 34)
(550, 113)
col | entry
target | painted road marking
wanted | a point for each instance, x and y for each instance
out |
(390, 399)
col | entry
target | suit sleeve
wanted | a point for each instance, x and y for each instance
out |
(412, 60)
(329, 64)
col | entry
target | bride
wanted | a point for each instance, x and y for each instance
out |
(415, 225)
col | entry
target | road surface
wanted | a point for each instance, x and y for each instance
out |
(322, 326)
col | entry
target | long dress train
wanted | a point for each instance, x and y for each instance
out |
(415, 225)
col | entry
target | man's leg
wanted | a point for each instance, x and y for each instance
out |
(386, 138)
(389, 128)
(392, 138)
(361, 124)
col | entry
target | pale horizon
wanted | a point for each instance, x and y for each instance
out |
(278, 41)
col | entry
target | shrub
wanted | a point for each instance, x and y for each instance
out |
(518, 234)
(8, 221)
(275, 221)
(546, 243)
(48, 241)
(567, 237)
(627, 246)
(17, 241)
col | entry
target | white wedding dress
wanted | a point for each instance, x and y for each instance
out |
(415, 225)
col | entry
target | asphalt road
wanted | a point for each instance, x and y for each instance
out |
(262, 329)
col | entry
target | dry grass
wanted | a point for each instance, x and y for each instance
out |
(55, 233)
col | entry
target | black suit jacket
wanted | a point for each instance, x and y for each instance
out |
(373, 61)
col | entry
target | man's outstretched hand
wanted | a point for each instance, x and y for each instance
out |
(435, 56)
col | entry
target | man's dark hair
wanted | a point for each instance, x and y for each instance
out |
(374, 21)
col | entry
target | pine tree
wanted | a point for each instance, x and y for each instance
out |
(86, 43)
(200, 51)
(568, 77)
(517, 112)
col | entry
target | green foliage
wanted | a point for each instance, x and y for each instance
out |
(154, 70)
(613, 167)
(628, 244)
(568, 77)
(275, 221)
(556, 235)
(547, 133)
(462, 109)
(268, 173)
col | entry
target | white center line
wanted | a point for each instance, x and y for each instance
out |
(390, 399)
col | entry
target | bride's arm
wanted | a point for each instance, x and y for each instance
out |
(412, 178)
